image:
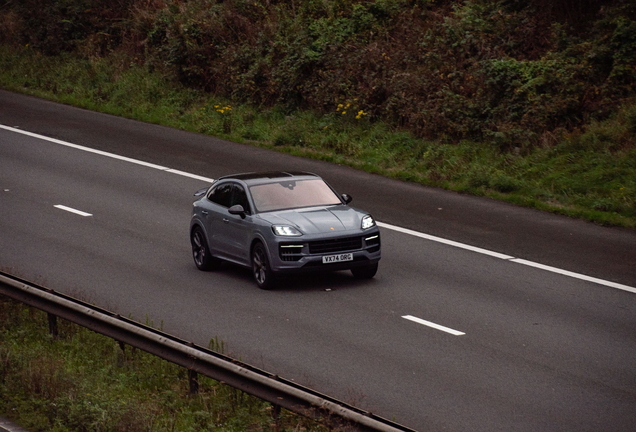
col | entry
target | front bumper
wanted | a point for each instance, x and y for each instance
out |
(305, 254)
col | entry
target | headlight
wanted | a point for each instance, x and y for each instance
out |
(286, 230)
(367, 222)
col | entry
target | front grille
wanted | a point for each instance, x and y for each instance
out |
(335, 245)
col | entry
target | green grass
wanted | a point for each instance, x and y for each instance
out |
(83, 381)
(588, 174)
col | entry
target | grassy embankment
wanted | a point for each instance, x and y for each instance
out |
(527, 102)
(589, 175)
(83, 381)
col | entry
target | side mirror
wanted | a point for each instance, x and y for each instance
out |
(237, 210)
(346, 198)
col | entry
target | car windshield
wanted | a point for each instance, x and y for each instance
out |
(290, 194)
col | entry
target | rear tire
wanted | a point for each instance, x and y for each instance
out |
(203, 258)
(366, 272)
(261, 270)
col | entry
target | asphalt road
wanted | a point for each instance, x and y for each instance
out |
(538, 350)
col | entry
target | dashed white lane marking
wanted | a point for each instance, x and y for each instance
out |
(433, 325)
(72, 210)
(380, 224)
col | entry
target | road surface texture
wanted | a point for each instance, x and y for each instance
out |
(462, 331)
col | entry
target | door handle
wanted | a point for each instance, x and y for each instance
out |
(226, 220)
(204, 213)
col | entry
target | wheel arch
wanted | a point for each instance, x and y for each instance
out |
(197, 224)
(255, 241)
(258, 238)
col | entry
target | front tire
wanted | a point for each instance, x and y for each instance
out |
(203, 258)
(261, 270)
(366, 272)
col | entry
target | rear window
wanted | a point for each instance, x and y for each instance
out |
(290, 194)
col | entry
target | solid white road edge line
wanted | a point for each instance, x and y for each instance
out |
(510, 258)
(187, 174)
(72, 210)
(380, 224)
(575, 275)
(103, 153)
(433, 325)
(444, 241)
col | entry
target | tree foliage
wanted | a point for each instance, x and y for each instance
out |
(515, 72)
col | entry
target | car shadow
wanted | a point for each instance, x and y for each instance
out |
(302, 282)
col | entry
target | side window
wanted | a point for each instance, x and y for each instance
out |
(222, 194)
(240, 197)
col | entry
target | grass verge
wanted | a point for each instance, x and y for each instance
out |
(588, 174)
(83, 381)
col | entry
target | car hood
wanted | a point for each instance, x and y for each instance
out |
(317, 220)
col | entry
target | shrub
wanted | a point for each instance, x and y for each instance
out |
(506, 71)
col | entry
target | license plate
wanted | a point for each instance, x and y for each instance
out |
(337, 258)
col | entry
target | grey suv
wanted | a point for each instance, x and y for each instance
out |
(281, 222)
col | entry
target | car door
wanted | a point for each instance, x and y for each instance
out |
(214, 212)
(239, 229)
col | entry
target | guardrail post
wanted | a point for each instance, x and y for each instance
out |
(53, 325)
(121, 356)
(194, 382)
(276, 416)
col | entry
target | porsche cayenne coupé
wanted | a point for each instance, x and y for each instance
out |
(281, 222)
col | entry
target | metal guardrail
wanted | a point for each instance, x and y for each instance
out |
(266, 386)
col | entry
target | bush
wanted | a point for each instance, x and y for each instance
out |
(504, 71)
